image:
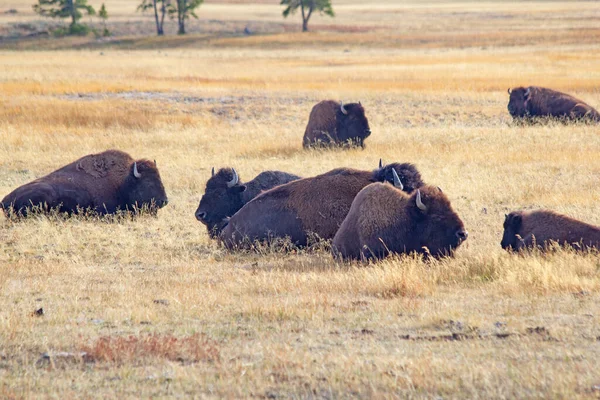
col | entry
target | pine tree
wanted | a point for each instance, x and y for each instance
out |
(103, 14)
(63, 9)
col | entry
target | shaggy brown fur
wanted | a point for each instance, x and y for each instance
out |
(221, 201)
(103, 182)
(384, 220)
(540, 227)
(328, 125)
(312, 205)
(536, 101)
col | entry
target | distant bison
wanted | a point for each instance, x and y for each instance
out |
(104, 183)
(384, 220)
(332, 123)
(315, 205)
(535, 101)
(525, 229)
(225, 194)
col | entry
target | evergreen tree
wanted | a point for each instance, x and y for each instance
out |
(64, 9)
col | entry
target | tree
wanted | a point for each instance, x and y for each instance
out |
(307, 7)
(183, 9)
(63, 9)
(157, 5)
(103, 14)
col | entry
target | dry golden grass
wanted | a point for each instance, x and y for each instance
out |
(161, 311)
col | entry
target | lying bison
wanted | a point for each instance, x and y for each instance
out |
(332, 123)
(315, 205)
(384, 220)
(225, 194)
(535, 101)
(526, 229)
(104, 183)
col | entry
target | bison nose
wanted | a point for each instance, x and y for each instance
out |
(462, 235)
(200, 215)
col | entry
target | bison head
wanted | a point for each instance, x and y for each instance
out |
(438, 227)
(409, 175)
(143, 186)
(517, 103)
(512, 227)
(222, 198)
(352, 124)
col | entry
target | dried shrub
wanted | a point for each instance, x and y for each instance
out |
(121, 349)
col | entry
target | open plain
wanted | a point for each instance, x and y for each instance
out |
(151, 307)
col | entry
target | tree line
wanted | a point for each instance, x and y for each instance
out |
(180, 10)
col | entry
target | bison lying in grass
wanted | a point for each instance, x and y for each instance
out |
(225, 194)
(103, 183)
(527, 229)
(534, 101)
(333, 124)
(384, 220)
(308, 206)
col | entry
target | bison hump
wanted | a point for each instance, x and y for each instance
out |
(97, 165)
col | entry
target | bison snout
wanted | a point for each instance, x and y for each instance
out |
(462, 235)
(200, 216)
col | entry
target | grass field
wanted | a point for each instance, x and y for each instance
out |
(153, 308)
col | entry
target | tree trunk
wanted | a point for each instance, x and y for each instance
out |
(158, 27)
(163, 12)
(71, 8)
(181, 6)
(304, 20)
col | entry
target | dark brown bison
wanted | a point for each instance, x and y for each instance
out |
(384, 220)
(225, 194)
(535, 101)
(332, 123)
(104, 183)
(307, 206)
(526, 229)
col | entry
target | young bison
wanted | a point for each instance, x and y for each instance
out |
(525, 229)
(384, 220)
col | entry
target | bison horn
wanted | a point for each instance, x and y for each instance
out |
(344, 111)
(509, 91)
(527, 92)
(420, 204)
(213, 172)
(135, 171)
(397, 182)
(235, 179)
(380, 164)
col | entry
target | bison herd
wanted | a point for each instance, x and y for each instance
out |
(364, 214)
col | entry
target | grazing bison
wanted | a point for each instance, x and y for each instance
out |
(104, 183)
(315, 205)
(535, 101)
(332, 123)
(524, 229)
(225, 194)
(384, 220)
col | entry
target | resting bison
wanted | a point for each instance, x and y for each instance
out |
(225, 194)
(104, 183)
(333, 123)
(384, 220)
(315, 205)
(536, 101)
(523, 229)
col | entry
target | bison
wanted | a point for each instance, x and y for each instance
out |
(103, 182)
(225, 194)
(526, 229)
(316, 205)
(535, 101)
(384, 220)
(331, 123)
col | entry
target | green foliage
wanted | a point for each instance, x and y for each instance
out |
(103, 14)
(64, 9)
(77, 30)
(183, 9)
(307, 7)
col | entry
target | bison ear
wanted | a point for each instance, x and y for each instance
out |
(515, 221)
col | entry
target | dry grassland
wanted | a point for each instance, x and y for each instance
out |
(153, 308)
